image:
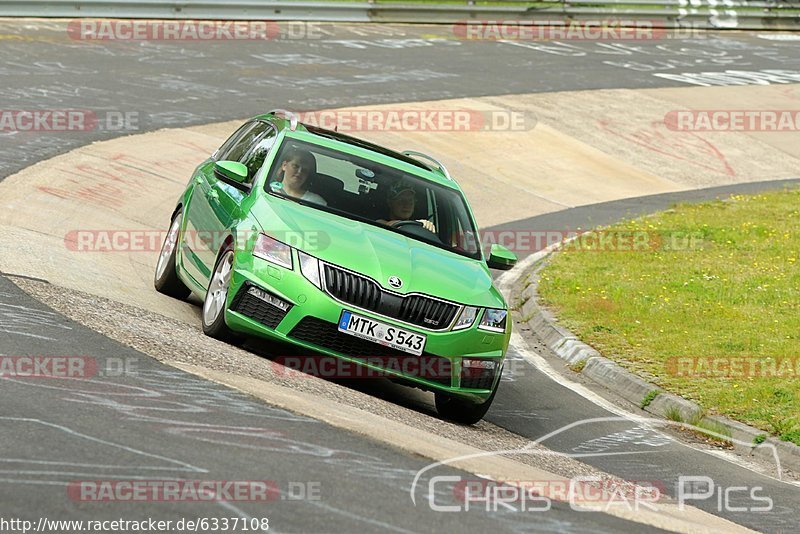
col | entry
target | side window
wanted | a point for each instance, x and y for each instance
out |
(245, 141)
(255, 155)
(222, 153)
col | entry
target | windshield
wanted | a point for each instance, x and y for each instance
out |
(357, 188)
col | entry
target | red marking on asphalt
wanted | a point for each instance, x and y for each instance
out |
(192, 146)
(685, 146)
(102, 194)
(791, 92)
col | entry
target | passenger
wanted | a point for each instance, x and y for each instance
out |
(297, 168)
(402, 199)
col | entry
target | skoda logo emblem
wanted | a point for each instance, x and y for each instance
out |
(395, 282)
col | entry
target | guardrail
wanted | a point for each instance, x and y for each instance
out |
(701, 14)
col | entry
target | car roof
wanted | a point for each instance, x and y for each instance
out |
(318, 135)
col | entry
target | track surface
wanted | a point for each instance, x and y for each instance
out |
(178, 84)
(160, 423)
(169, 84)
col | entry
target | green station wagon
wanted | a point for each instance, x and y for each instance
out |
(349, 250)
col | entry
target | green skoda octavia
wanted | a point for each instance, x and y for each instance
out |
(349, 250)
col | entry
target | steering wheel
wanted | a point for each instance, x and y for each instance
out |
(400, 224)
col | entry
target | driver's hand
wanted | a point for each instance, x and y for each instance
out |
(428, 225)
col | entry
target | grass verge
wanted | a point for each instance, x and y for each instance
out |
(702, 299)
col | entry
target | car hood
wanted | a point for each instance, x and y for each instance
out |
(378, 253)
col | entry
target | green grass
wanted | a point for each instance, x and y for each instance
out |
(578, 366)
(711, 430)
(651, 395)
(698, 424)
(673, 413)
(729, 290)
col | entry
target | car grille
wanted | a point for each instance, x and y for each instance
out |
(256, 309)
(324, 334)
(477, 378)
(365, 293)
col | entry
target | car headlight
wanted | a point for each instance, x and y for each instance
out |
(309, 266)
(466, 318)
(273, 251)
(493, 320)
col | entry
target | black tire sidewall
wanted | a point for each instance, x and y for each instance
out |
(462, 410)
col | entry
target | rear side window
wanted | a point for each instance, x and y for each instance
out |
(243, 143)
(255, 155)
(222, 153)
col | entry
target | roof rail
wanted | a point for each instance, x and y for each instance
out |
(420, 155)
(291, 117)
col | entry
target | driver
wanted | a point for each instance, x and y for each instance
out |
(402, 199)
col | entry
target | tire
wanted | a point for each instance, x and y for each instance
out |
(213, 315)
(166, 279)
(463, 411)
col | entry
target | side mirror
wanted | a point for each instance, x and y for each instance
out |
(501, 258)
(231, 171)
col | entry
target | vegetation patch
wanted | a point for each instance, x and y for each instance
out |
(703, 297)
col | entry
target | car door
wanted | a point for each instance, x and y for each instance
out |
(215, 204)
(194, 241)
(225, 197)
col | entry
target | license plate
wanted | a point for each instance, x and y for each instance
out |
(387, 335)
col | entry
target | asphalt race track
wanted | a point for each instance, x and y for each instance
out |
(160, 422)
(165, 424)
(193, 83)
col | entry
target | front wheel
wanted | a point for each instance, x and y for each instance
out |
(216, 299)
(166, 279)
(461, 410)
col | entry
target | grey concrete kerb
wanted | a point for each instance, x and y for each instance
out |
(522, 290)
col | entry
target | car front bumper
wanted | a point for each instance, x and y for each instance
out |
(309, 319)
